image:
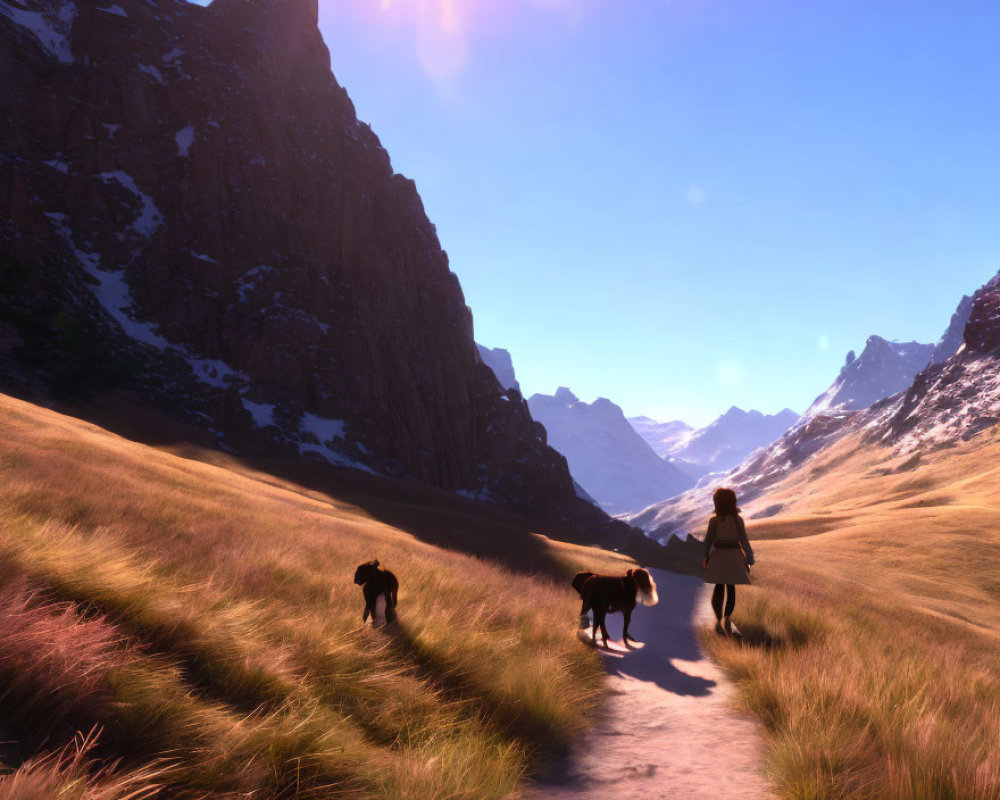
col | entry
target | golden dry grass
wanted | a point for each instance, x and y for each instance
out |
(200, 614)
(872, 639)
(68, 774)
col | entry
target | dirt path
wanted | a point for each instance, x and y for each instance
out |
(668, 730)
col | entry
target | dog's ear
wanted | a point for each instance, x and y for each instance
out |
(375, 563)
(629, 573)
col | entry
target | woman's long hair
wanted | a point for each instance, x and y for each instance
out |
(725, 502)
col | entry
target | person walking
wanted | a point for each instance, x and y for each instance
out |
(728, 556)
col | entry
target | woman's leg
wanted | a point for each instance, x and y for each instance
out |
(717, 594)
(730, 599)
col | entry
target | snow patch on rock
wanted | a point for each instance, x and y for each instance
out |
(112, 291)
(262, 413)
(152, 72)
(184, 139)
(251, 279)
(212, 371)
(149, 218)
(326, 430)
(51, 26)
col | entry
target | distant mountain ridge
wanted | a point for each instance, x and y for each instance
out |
(606, 456)
(882, 369)
(725, 442)
(663, 437)
(951, 400)
(717, 447)
(945, 401)
(887, 367)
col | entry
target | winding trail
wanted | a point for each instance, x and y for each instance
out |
(668, 730)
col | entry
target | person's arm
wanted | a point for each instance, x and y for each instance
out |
(709, 538)
(741, 532)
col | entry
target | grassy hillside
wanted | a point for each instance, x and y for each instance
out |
(872, 648)
(179, 619)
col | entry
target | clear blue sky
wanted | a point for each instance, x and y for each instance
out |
(688, 204)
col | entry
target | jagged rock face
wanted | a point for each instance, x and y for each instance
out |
(499, 360)
(954, 336)
(952, 400)
(882, 369)
(982, 331)
(885, 368)
(189, 193)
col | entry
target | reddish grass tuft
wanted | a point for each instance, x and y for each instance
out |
(68, 774)
(55, 663)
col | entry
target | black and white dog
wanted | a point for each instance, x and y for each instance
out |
(606, 594)
(376, 582)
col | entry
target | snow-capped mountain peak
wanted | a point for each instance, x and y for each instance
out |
(606, 456)
(883, 368)
(720, 445)
(663, 437)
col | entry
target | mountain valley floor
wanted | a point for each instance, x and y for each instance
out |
(175, 622)
(870, 648)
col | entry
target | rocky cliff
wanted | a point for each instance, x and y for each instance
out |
(952, 400)
(953, 337)
(191, 210)
(499, 360)
(882, 369)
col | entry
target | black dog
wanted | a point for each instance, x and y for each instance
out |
(606, 594)
(376, 581)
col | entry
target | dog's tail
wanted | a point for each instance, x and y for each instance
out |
(645, 587)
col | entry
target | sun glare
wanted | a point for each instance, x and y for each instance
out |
(443, 31)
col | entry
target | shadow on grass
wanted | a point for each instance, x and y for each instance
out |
(514, 722)
(433, 515)
(134, 730)
(666, 633)
(760, 637)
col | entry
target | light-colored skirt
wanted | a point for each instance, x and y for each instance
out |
(727, 566)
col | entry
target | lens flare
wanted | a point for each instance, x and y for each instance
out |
(442, 33)
(442, 43)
